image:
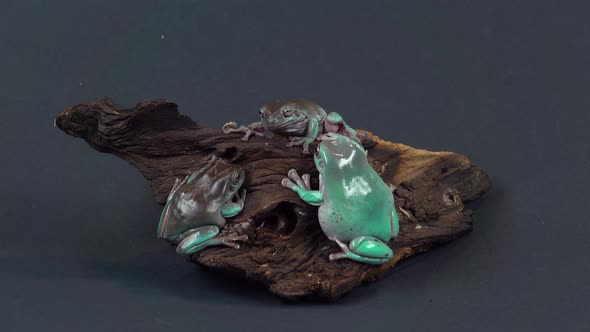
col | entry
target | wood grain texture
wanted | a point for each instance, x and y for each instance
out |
(286, 250)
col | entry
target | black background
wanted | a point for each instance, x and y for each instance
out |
(504, 82)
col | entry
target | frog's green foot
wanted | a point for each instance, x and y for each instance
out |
(364, 249)
(302, 186)
(231, 209)
(205, 236)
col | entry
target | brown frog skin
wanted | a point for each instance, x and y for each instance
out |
(197, 207)
(301, 120)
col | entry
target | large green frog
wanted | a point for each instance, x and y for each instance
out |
(303, 121)
(197, 206)
(356, 208)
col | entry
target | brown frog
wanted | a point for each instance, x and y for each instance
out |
(301, 120)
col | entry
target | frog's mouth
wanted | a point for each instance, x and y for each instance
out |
(295, 125)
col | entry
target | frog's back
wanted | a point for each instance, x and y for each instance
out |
(362, 210)
(314, 110)
(191, 210)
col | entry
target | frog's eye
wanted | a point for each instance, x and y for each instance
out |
(317, 151)
(261, 112)
(287, 112)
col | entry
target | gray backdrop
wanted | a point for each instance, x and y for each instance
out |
(503, 82)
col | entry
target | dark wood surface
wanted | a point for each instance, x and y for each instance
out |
(286, 250)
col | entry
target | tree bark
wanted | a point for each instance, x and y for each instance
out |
(286, 250)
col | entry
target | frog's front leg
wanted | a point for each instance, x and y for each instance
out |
(202, 237)
(302, 186)
(255, 128)
(334, 123)
(313, 129)
(364, 249)
(231, 209)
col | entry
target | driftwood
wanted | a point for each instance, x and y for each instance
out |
(286, 250)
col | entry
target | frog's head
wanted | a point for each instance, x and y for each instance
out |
(338, 154)
(214, 184)
(222, 181)
(280, 115)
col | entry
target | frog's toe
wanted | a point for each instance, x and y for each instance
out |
(337, 256)
(287, 183)
(229, 127)
(295, 177)
(230, 240)
(306, 181)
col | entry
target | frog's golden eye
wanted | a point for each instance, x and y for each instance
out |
(287, 112)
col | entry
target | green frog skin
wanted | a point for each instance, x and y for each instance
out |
(301, 120)
(198, 205)
(356, 208)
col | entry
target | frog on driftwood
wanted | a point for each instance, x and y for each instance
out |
(197, 206)
(286, 250)
(356, 208)
(303, 121)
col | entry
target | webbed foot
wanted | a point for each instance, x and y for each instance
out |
(232, 127)
(302, 186)
(303, 182)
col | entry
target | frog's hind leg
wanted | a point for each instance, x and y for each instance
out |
(364, 249)
(334, 123)
(205, 236)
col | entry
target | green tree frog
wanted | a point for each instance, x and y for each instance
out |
(356, 208)
(198, 205)
(301, 120)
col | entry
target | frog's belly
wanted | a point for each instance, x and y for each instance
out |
(346, 223)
